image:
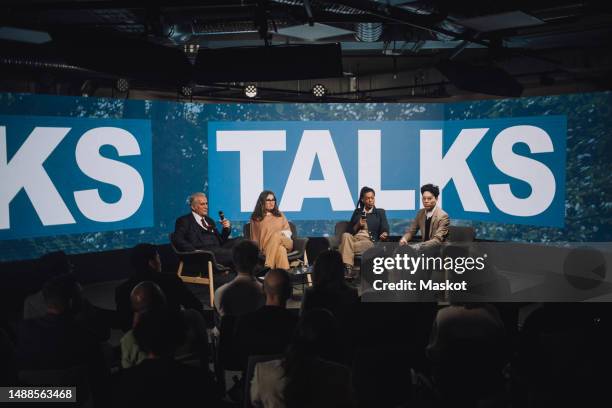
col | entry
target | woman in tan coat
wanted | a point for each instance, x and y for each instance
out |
(270, 230)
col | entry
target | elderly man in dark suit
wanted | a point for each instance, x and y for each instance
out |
(197, 230)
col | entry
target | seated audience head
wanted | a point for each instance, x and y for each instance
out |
(147, 296)
(328, 269)
(266, 202)
(245, 255)
(366, 197)
(52, 264)
(314, 337)
(277, 287)
(145, 259)
(158, 333)
(199, 203)
(429, 196)
(62, 294)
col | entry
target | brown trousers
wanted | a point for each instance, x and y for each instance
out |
(276, 251)
(353, 244)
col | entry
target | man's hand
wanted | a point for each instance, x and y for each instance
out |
(403, 241)
(383, 236)
(362, 222)
(226, 223)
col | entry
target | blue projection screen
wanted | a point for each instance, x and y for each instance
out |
(90, 174)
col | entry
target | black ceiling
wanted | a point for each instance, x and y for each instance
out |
(387, 50)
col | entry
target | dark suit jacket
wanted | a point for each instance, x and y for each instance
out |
(377, 222)
(189, 235)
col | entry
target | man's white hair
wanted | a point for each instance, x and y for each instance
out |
(193, 197)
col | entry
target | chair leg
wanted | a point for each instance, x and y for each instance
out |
(179, 271)
(218, 369)
(211, 284)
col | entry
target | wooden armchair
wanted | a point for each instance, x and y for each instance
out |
(198, 267)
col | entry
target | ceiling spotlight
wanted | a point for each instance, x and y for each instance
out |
(250, 91)
(318, 91)
(186, 90)
(191, 48)
(122, 85)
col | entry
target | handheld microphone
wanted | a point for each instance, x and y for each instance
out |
(221, 215)
(364, 215)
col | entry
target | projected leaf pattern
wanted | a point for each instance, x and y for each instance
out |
(180, 155)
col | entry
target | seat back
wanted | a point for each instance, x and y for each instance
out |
(341, 228)
(196, 267)
(458, 233)
(172, 245)
(250, 371)
(294, 233)
(66, 377)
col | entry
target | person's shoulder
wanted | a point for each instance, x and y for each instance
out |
(332, 366)
(439, 213)
(128, 339)
(183, 221)
(381, 211)
(222, 288)
(184, 217)
(421, 212)
(270, 366)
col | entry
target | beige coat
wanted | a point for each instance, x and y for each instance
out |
(438, 230)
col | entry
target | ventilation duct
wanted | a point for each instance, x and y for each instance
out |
(368, 32)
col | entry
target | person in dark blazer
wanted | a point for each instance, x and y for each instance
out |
(368, 225)
(197, 231)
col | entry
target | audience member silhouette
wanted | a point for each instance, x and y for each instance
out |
(563, 355)
(8, 368)
(159, 380)
(243, 294)
(94, 319)
(330, 291)
(147, 267)
(304, 377)
(49, 266)
(58, 341)
(268, 330)
(148, 297)
(467, 352)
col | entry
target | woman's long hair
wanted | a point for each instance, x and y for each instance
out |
(328, 270)
(260, 207)
(315, 336)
